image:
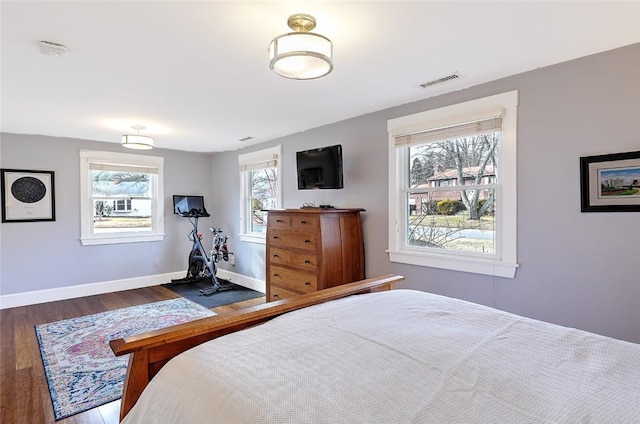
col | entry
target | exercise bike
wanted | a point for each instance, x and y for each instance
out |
(202, 265)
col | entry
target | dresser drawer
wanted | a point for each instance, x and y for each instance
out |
(298, 240)
(303, 260)
(278, 293)
(308, 223)
(279, 221)
(289, 279)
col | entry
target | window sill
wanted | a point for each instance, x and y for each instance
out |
(496, 268)
(121, 238)
(251, 238)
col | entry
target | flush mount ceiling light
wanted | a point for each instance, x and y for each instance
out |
(137, 141)
(301, 54)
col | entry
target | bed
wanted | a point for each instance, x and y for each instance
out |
(381, 356)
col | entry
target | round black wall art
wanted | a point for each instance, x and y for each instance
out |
(28, 189)
(27, 196)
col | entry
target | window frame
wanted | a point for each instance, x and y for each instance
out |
(267, 155)
(87, 235)
(504, 262)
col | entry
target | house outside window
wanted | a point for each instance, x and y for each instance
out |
(260, 184)
(452, 187)
(121, 198)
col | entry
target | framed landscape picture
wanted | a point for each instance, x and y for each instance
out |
(610, 183)
(27, 196)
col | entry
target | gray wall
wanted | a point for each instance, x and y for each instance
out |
(576, 269)
(46, 255)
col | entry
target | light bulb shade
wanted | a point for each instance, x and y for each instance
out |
(135, 141)
(301, 55)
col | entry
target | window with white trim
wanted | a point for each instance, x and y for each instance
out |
(121, 198)
(260, 191)
(452, 187)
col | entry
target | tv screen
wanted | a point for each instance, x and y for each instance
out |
(320, 168)
(193, 205)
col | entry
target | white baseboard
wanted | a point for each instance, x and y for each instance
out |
(71, 292)
(243, 280)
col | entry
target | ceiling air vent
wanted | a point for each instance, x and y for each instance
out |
(246, 138)
(442, 80)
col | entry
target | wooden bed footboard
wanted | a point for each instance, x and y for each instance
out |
(150, 351)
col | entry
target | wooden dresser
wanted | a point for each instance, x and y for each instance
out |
(311, 249)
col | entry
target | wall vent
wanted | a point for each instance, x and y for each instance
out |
(442, 80)
(246, 138)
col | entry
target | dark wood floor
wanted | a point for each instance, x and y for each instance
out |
(24, 395)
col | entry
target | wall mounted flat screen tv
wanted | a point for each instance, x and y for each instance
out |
(320, 168)
(193, 205)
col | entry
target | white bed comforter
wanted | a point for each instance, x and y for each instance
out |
(399, 357)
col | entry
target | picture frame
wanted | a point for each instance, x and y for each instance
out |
(610, 183)
(27, 195)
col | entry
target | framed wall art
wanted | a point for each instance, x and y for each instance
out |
(27, 196)
(610, 183)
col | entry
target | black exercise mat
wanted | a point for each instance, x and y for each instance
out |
(191, 291)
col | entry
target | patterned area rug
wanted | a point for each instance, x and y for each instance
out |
(81, 370)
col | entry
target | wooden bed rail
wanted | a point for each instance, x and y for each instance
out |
(150, 351)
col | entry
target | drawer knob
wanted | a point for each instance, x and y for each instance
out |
(275, 237)
(303, 222)
(279, 220)
(307, 241)
(275, 296)
(307, 262)
(275, 275)
(306, 283)
(276, 256)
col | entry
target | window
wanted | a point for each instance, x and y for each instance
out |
(121, 198)
(122, 205)
(452, 187)
(260, 185)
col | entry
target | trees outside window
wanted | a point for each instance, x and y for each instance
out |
(459, 217)
(263, 196)
(260, 185)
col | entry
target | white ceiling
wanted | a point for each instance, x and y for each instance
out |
(196, 74)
